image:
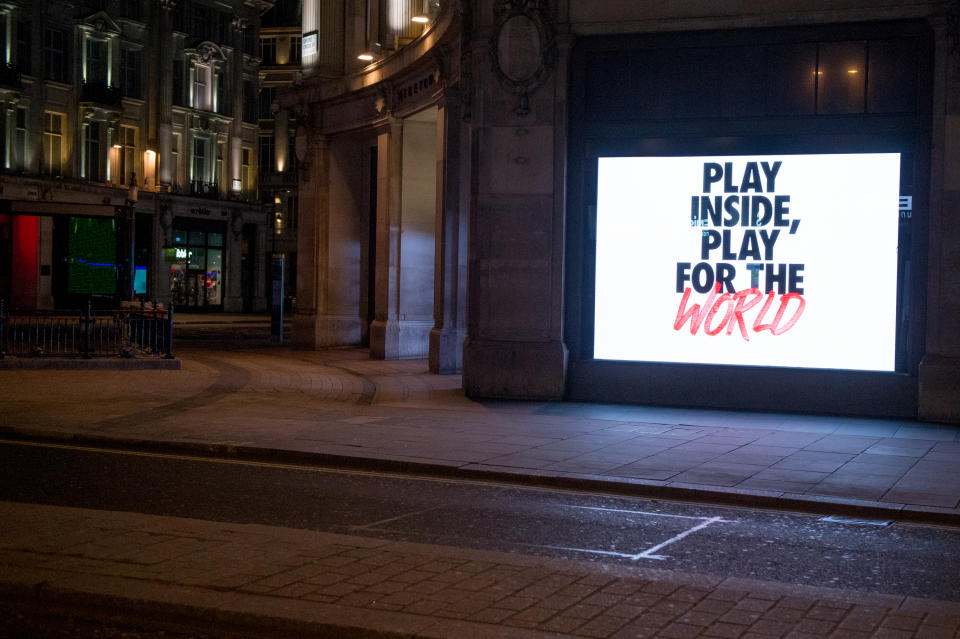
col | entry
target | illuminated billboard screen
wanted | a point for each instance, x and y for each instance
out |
(767, 260)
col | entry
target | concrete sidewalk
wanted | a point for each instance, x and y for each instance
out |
(338, 406)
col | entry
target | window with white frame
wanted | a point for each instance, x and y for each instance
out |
(266, 154)
(130, 72)
(91, 152)
(199, 174)
(203, 87)
(17, 158)
(246, 172)
(55, 54)
(126, 148)
(268, 51)
(95, 62)
(175, 159)
(218, 170)
(53, 144)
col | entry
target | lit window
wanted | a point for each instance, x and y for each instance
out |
(18, 154)
(95, 62)
(91, 152)
(199, 167)
(246, 175)
(268, 51)
(175, 159)
(53, 144)
(202, 90)
(126, 154)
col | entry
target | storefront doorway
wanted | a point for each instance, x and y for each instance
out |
(196, 272)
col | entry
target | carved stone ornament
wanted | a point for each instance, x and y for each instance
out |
(522, 47)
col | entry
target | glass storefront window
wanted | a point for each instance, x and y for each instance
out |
(196, 278)
(196, 256)
(214, 269)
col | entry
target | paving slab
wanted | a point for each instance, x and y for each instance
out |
(340, 407)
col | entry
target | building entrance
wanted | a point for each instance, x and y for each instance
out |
(196, 272)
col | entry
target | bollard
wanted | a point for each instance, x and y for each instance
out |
(87, 321)
(3, 334)
(169, 354)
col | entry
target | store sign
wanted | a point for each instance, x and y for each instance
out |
(308, 45)
(174, 254)
(778, 260)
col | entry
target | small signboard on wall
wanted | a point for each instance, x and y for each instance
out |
(308, 45)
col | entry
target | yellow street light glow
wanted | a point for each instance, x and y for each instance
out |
(853, 70)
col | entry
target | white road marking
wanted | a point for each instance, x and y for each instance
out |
(648, 553)
(633, 512)
(391, 519)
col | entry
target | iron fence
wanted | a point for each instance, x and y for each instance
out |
(87, 334)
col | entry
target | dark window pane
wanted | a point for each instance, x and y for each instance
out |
(743, 90)
(608, 87)
(791, 74)
(892, 77)
(23, 46)
(267, 95)
(178, 92)
(694, 85)
(841, 77)
(650, 69)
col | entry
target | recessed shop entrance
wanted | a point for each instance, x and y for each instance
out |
(196, 266)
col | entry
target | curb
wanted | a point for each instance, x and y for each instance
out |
(174, 612)
(111, 363)
(715, 495)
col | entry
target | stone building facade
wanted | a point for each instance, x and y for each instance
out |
(449, 184)
(130, 147)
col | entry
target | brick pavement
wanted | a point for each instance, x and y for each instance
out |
(222, 572)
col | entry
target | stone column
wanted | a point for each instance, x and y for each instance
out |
(385, 329)
(311, 229)
(233, 264)
(939, 371)
(164, 109)
(450, 271)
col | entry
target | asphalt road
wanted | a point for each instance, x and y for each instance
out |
(892, 558)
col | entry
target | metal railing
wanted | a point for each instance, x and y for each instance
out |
(87, 334)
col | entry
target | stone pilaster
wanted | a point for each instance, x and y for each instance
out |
(939, 371)
(450, 272)
(385, 329)
(514, 346)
